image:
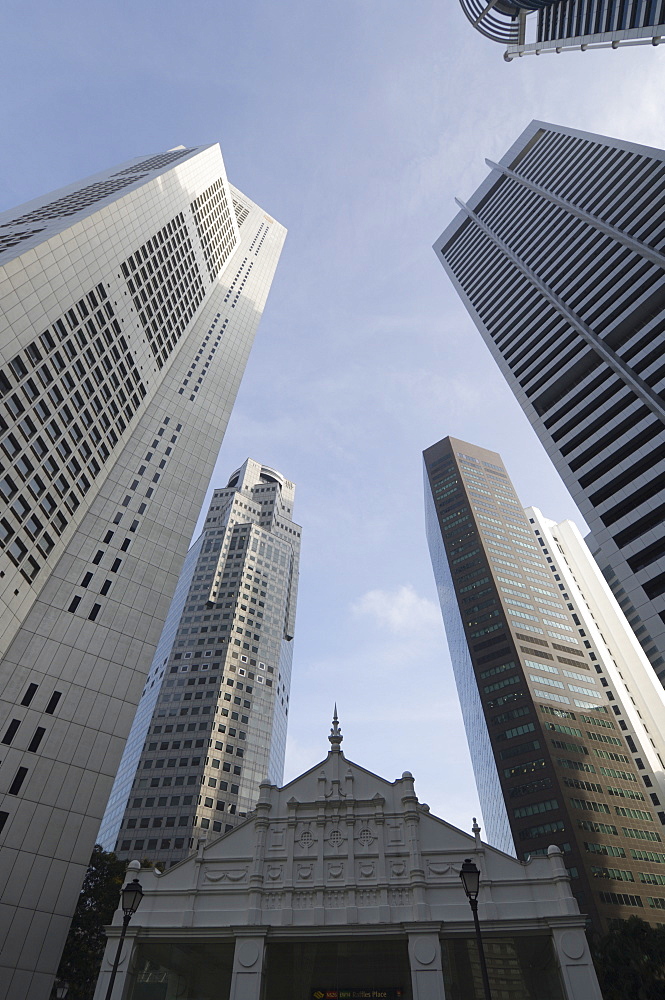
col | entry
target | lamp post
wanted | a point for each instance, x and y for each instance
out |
(131, 896)
(470, 876)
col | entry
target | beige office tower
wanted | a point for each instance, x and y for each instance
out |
(214, 727)
(128, 306)
(563, 713)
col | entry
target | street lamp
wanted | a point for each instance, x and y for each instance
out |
(61, 989)
(470, 876)
(131, 896)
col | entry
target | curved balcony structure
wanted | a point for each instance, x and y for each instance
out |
(565, 24)
(497, 20)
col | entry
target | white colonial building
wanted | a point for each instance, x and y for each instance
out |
(343, 886)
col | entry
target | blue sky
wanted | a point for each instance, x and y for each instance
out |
(355, 123)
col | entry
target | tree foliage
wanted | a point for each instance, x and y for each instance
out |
(630, 961)
(98, 901)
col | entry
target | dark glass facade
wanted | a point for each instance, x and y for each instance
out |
(550, 761)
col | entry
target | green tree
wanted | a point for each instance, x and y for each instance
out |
(630, 961)
(84, 948)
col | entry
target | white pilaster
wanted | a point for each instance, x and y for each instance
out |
(577, 971)
(247, 976)
(425, 963)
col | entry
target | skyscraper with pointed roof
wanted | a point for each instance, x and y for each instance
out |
(201, 746)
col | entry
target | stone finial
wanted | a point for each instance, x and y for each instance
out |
(335, 733)
(555, 858)
(475, 830)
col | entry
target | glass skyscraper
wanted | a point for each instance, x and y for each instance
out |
(211, 724)
(562, 711)
(559, 259)
(128, 306)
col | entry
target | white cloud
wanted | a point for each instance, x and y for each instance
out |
(400, 610)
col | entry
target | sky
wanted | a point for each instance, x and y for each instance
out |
(355, 123)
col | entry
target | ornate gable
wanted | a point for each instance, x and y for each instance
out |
(338, 845)
(344, 862)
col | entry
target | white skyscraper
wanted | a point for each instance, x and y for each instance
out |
(128, 306)
(211, 724)
(559, 258)
(639, 702)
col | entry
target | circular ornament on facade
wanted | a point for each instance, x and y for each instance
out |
(306, 839)
(336, 838)
(248, 953)
(572, 943)
(425, 951)
(365, 837)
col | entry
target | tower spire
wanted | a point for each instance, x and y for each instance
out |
(335, 733)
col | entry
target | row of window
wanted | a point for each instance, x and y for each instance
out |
(35, 742)
(167, 843)
(133, 527)
(177, 800)
(206, 366)
(166, 287)
(170, 781)
(76, 201)
(213, 223)
(180, 728)
(67, 394)
(629, 899)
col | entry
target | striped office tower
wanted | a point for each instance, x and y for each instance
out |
(558, 257)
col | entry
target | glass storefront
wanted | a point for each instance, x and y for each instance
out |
(179, 971)
(519, 968)
(353, 969)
